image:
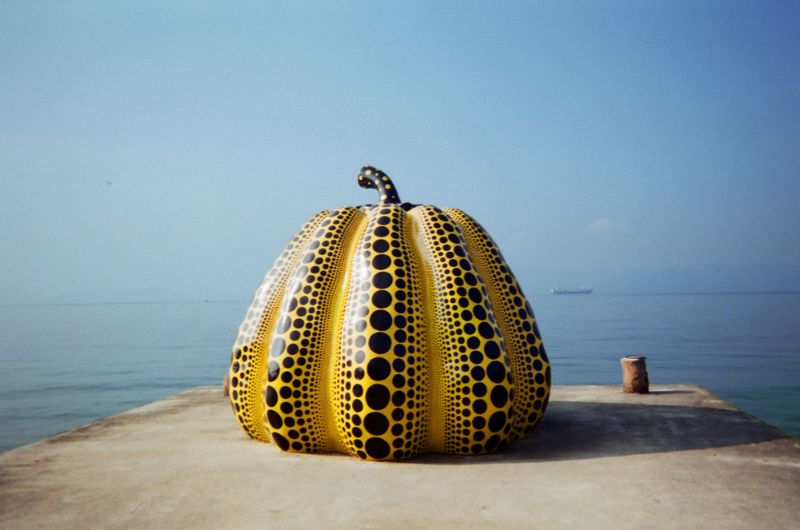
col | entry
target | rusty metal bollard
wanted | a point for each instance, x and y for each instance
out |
(634, 374)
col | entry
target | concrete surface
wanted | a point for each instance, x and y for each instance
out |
(677, 458)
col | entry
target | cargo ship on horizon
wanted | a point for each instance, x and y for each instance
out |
(580, 290)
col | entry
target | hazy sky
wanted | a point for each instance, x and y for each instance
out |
(168, 152)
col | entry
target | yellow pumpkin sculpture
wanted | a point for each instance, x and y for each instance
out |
(389, 330)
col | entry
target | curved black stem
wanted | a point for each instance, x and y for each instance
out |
(373, 178)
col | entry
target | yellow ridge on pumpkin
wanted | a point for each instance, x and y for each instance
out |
(331, 391)
(477, 385)
(297, 351)
(516, 320)
(249, 355)
(381, 376)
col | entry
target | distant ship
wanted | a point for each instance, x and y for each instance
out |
(580, 290)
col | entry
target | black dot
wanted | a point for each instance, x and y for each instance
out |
(485, 330)
(398, 398)
(479, 406)
(479, 389)
(381, 299)
(381, 261)
(496, 371)
(382, 280)
(475, 295)
(376, 423)
(476, 357)
(377, 448)
(480, 312)
(497, 421)
(499, 396)
(274, 419)
(378, 369)
(380, 320)
(492, 350)
(380, 245)
(278, 346)
(381, 231)
(272, 371)
(383, 220)
(380, 342)
(473, 342)
(280, 441)
(492, 442)
(271, 396)
(478, 373)
(377, 397)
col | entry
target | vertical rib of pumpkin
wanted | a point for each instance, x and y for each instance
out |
(381, 376)
(248, 358)
(477, 383)
(431, 348)
(332, 385)
(298, 349)
(514, 315)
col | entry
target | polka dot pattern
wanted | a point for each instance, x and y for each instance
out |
(373, 178)
(386, 331)
(474, 373)
(248, 358)
(380, 381)
(299, 351)
(515, 317)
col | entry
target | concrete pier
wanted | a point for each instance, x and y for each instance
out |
(678, 457)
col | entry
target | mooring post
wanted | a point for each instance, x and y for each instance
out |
(634, 374)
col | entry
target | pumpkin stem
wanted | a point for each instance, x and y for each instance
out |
(373, 178)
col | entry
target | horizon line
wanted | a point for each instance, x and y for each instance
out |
(231, 300)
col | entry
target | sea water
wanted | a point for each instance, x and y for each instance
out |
(66, 365)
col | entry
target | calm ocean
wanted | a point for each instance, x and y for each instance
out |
(66, 365)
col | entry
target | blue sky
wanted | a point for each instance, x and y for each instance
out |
(168, 150)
